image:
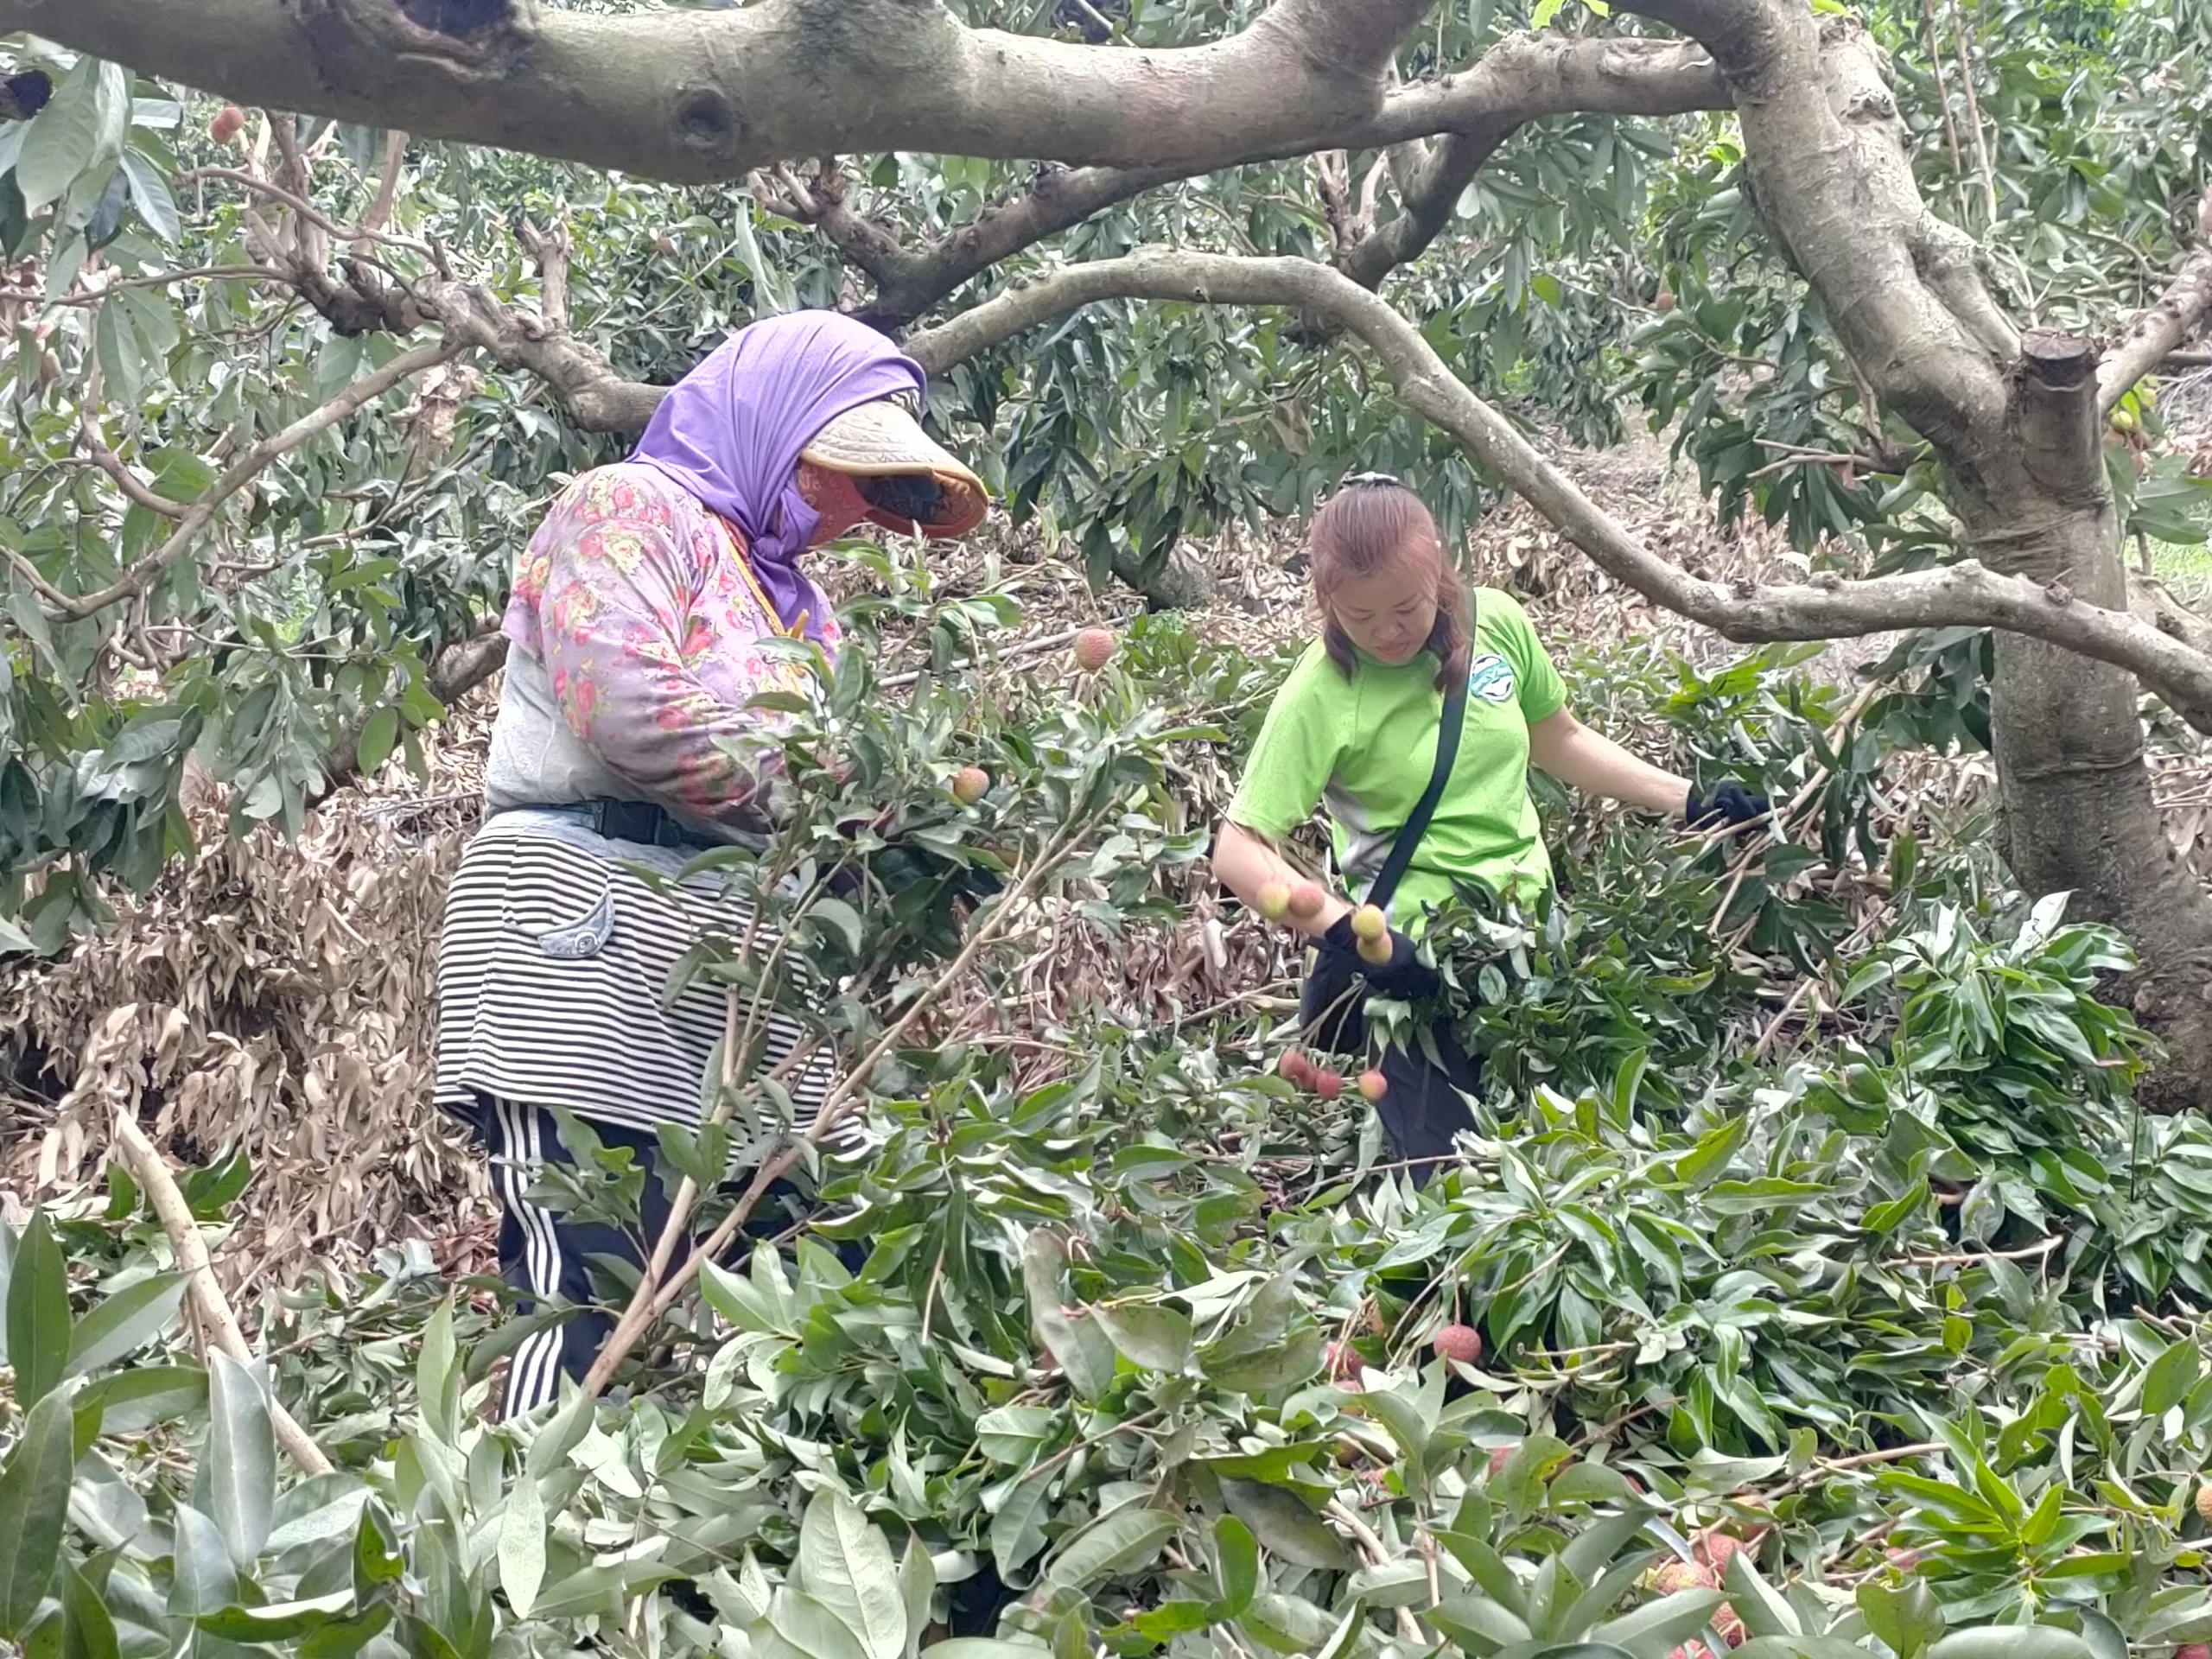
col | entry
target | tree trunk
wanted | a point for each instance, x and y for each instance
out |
(2078, 811)
(2015, 422)
(1180, 581)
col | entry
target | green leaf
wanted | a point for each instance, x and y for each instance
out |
(2172, 1376)
(124, 1322)
(1236, 1564)
(1015, 1434)
(521, 1546)
(1284, 1523)
(33, 1510)
(2010, 1641)
(808, 1628)
(1762, 1609)
(1662, 1624)
(203, 1579)
(1478, 1622)
(917, 1588)
(90, 1631)
(38, 1312)
(80, 131)
(1017, 1533)
(278, 1621)
(847, 1564)
(1044, 1269)
(1150, 1335)
(379, 737)
(241, 1460)
(1122, 1541)
(132, 1400)
(151, 196)
(1907, 1617)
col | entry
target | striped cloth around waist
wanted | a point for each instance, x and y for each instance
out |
(553, 966)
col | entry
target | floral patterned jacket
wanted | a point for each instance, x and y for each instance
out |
(636, 600)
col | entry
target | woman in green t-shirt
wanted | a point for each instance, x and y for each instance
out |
(1355, 728)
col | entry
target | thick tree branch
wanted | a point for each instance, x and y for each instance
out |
(1522, 79)
(1965, 594)
(697, 96)
(142, 575)
(1427, 200)
(2154, 333)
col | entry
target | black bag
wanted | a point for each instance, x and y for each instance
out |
(1329, 1004)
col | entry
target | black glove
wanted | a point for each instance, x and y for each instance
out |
(1731, 803)
(1405, 977)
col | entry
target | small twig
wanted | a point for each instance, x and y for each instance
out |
(1861, 1460)
(1969, 1257)
(304, 208)
(112, 463)
(1974, 111)
(1012, 653)
(1409, 1628)
(1942, 93)
(219, 1326)
(142, 575)
(380, 210)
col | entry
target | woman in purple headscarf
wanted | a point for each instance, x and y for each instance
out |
(625, 737)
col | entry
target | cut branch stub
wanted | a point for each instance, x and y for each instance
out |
(2054, 413)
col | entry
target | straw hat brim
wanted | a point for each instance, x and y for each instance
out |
(881, 439)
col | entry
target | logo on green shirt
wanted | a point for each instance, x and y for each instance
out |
(1490, 676)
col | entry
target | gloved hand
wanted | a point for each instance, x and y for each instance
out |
(1405, 977)
(1731, 803)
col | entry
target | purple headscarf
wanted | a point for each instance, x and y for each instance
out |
(730, 431)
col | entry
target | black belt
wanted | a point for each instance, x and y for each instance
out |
(639, 821)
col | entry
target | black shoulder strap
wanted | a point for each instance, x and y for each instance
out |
(1416, 824)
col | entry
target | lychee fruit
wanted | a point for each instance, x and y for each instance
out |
(229, 122)
(1499, 1457)
(2204, 1502)
(1716, 1549)
(1094, 648)
(1374, 1085)
(664, 246)
(969, 785)
(1727, 1625)
(1307, 900)
(1462, 1343)
(1368, 923)
(1328, 1085)
(2193, 1650)
(1663, 301)
(1677, 1576)
(1908, 1560)
(1274, 902)
(1297, 1068)
(1344, 1364)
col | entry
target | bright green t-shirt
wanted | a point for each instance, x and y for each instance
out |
(1365, 748)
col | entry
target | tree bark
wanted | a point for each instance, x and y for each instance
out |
(2018, 424)
(2079, 812)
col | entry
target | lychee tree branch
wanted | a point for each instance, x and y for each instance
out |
(219, 1326)
(1963, 595)
(140, 576)
(2157, 330)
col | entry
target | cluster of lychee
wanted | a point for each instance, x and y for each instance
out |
(1301, 1072)
(1093, 649)
(1461, 1344)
